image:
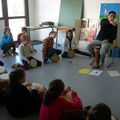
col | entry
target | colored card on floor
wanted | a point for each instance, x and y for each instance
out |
(113, 73)
(96, 72)
(84, 71)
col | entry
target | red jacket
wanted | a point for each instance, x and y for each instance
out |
(19, 38)
(55, 110)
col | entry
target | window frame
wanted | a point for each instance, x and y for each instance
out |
(6, 17)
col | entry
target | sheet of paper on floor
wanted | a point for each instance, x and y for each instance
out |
(113, 73)
(96, 72)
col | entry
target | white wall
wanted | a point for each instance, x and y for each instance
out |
(43, 10)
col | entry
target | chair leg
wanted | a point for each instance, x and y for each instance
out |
(113, 59)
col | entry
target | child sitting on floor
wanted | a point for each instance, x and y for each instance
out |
(71, 44)
(21, 100)
(7, 42)
(48, 49)
(24, 32)
(54, 102)
(99, 111)
(26, 52)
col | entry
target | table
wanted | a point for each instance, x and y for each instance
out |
(58, 28)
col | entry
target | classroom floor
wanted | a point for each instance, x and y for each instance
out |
(91, 89)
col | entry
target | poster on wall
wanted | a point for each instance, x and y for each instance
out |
(107, 7)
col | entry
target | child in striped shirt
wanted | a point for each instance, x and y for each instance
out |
(48, 49)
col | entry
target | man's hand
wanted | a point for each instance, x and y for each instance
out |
(105, 41)
(113, 23)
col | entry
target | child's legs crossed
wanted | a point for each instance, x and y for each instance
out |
(51, 51)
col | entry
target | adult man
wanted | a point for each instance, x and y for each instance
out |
(106, 35)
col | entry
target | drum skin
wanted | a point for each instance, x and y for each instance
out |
(33, 63)
(55, 58)
(71, 54)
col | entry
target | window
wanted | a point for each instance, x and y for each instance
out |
(15, 14)
(16, 8)
(15, 26)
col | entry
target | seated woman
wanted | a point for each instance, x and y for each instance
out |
(7, 42)
(48, 50)
(26, 52)
(21, 100)
(70, 44)
(54, 102)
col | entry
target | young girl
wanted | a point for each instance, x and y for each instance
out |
(21, 101)
(24, 32)
(99, 111)
(54, 102)
(70, 44)
(26, 52)
(48, 49)
(7, 41)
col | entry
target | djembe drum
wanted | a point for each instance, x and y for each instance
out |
(4, 81)
(55, 58)
(96, 61)
(71, 54)
(33, 63)
(36, 86)
(10, 51)
(2, 70)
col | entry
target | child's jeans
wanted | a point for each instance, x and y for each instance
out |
(6, 47)
(51, 51)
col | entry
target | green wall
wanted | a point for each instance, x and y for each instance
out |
(70, 10)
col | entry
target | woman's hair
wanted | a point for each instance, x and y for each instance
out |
(99, 112)
(24, 29)
(71, 34)
(15, 76)
(55, 89)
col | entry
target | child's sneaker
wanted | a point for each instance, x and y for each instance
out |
(45, 61)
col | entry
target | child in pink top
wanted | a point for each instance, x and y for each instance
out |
(54, 102)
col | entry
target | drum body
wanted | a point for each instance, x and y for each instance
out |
(2, 70)
(55, 58)
(71, 54)
(33, 63)
(10, 51)
(96, 61)
(4, 81)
